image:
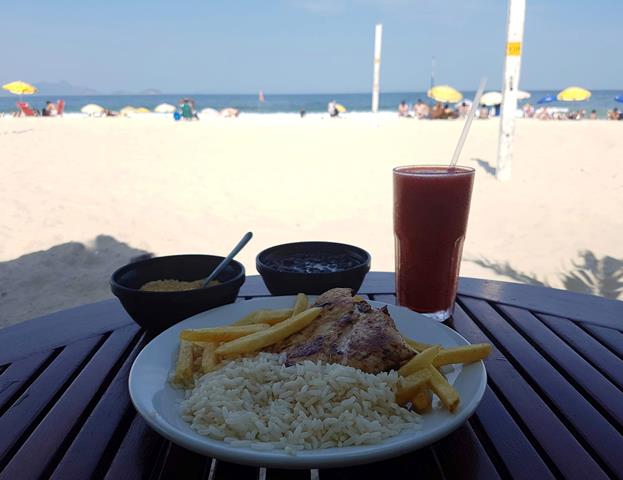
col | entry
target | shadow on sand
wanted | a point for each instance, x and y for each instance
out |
(588, 274)
(486, 166)
(64, 276)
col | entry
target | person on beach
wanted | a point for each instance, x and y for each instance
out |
(420, 109)
(403, 109)
(463, 110)
(436, 112)
(593, 115)
(449, 112)
(614, 114)
(49, 110)
(528, 111)
(332, 109)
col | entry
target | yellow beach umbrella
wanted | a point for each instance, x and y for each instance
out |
(445, 93)
(127, 110)
(573, 94)
(20, 88)
(142, 110)
(340, 108)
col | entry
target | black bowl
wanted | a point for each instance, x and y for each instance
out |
(276, 265)
(156, 311)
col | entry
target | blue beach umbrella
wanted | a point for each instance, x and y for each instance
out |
(547, 99)
(618, 98)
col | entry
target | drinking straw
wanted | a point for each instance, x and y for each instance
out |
(468, 122)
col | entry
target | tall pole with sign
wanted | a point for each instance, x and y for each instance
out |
(512, 68)
(376, 85)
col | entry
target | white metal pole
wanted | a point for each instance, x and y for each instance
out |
(512, 68)
(378, 33)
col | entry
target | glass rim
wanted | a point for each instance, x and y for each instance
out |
(456, 170)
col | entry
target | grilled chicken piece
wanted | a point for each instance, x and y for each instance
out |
(348, 332)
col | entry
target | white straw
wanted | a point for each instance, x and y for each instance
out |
(468, 122)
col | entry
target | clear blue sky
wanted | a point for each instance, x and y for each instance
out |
(305, 46)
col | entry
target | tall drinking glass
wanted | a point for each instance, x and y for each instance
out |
(431, 206)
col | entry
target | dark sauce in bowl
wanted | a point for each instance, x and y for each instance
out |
(312, 262)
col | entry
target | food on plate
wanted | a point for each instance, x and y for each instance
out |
(420, 361)
(322, 262)
(465, 354)
(265, 316)
(334, 374)
(172, 285)
(446, 392)
(221, 334)
(264, 338)
(348, 332)
(259, 403)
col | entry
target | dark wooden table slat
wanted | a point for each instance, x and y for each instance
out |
(52, 432)
(91, 444)
(550, 433)
(17, 375)
(462, 455)
(418, 464)
(590, 425)
(613, 339)
(507, 438)
(21, 416)
(587, 346)
(136, 455)
(588, 379)
(61, 328)
(181, 463)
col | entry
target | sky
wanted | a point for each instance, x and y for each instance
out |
(305, 46)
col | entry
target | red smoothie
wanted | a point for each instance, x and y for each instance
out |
(431, 206)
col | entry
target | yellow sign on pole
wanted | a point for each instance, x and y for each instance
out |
(513, 49)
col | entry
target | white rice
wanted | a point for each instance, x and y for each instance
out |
(260, 403)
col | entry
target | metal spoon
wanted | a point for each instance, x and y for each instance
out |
(221, 266)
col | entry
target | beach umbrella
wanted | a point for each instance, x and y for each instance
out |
(618, 98)
(573, 94)
(340, 108)
(127, 110)
(92, 109)
(165, 108)
(521, 95)
(445, 93)
(20, 88)
(491, 98)
(142, 110)
(547, 99)
(209, 112)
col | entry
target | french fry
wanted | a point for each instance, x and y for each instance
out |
(264, 338)
(270, 317)
(420, 361)
(184, 366)
(465, 354)
(221, 334)
(409, 386)
(301, 304)
(358, 298)
(423, 400)
(415, 345)
(209, 362)
(447, 394)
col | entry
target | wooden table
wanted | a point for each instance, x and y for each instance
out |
(553, 407)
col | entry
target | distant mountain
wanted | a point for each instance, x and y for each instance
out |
(63, 88)
(150, 91)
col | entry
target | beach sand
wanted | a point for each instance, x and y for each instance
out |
(81, 196)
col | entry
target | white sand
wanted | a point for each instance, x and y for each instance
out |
(164, 187)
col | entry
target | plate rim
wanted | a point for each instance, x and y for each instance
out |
(319, 458)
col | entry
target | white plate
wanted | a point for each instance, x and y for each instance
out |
(158, 403)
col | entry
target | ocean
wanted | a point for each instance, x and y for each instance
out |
(601, 101)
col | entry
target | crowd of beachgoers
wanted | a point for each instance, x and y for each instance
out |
(186, 109)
